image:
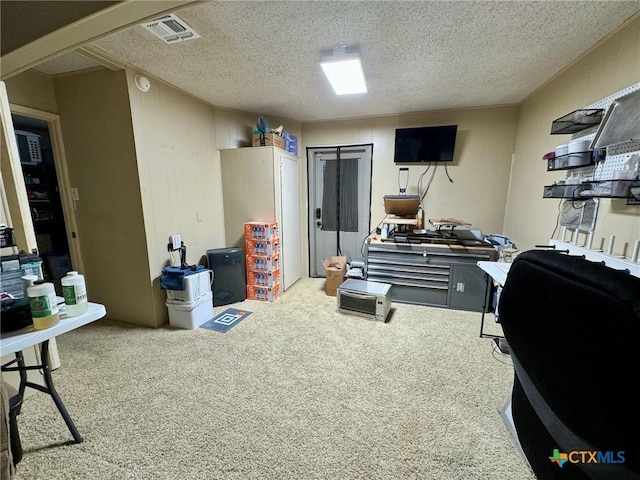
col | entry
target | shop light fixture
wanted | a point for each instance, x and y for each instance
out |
(342, 67)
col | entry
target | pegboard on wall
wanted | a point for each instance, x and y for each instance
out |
(617, 155)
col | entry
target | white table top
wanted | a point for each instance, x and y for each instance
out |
(12, 342)
(496, 270)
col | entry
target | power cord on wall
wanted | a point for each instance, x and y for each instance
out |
(433, 174)
(447, 172)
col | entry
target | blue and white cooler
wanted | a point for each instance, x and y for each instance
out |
(189, 297)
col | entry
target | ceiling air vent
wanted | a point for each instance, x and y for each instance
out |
(171, 29)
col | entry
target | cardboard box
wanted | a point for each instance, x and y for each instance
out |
(335, 268)
(262, 247)
(268, 140)
(266, 294)
(263, 279)
(261, 231)
(262, 263)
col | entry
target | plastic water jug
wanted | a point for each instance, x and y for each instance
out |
(44, 306)
(75, 294)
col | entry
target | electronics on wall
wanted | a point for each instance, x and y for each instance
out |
(425, 144)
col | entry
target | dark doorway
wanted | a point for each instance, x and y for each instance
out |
(45, 205)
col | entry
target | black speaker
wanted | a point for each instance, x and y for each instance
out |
(229, 283)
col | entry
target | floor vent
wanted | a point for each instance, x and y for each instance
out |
(171, 29)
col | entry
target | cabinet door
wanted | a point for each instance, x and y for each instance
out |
(467, 288)
(289, 221)
(248, 190)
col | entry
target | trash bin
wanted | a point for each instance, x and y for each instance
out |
(229, 283)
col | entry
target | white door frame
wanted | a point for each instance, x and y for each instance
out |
(14, 192)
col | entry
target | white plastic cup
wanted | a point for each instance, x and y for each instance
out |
(75, 294)
(28, 281)
(44, 305)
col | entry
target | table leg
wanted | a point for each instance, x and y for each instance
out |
(487, 302)
(486, 308)
(22, 371)
(48, 380)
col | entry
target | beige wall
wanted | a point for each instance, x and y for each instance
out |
(32, 89)
(530, 219)
(480, 170)
(179, 177)
(98, 134)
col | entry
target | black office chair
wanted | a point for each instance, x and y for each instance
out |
(573, 328)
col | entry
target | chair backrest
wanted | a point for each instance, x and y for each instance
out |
(573, 327)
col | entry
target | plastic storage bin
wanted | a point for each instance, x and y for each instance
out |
(190, 315)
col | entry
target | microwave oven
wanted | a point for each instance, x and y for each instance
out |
(367, 299)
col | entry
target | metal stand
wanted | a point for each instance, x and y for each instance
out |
(48, 388)
(487, 307)
(499, 340)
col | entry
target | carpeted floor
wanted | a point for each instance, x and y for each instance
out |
(295, 391)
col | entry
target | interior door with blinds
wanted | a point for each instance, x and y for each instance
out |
(339, 202)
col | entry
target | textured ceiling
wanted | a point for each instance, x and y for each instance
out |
(417, 55)
(70, 62)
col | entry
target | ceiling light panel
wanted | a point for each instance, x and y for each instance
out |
(343, 69)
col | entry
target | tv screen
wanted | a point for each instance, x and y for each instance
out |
(425, 144)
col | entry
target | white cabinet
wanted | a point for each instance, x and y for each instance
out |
(263, 184)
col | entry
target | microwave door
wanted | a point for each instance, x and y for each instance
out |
(358, 302)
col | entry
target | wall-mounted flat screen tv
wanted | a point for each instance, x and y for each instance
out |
(425, 144)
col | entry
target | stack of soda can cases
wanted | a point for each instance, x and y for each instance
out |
(262, 260)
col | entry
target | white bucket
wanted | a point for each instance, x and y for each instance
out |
(191, 315)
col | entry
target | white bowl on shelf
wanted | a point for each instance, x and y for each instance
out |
(579, 159)
(578, 146)
(562, 150)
